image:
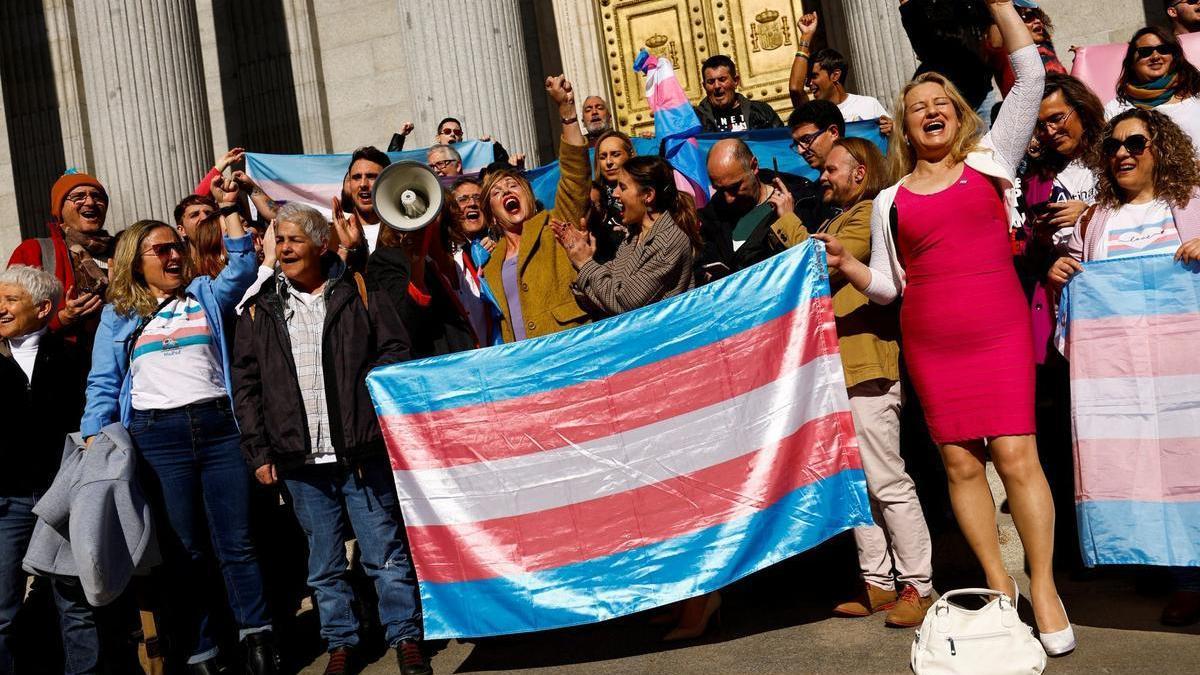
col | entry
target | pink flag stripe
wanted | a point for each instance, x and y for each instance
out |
(652, 513)
(666, 448)
(177, 334)
(1138, 469)
(677, 385)
(1109, 350)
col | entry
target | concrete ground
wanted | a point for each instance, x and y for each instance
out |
(777, 621)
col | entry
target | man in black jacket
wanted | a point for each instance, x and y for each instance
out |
(736, 224)
(41, 384)
(303, 348)
(723, 108)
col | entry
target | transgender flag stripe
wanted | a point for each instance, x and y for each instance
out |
(1135, 404)
(626, 464)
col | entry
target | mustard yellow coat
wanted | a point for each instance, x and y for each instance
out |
(544, 273)
(867, 333)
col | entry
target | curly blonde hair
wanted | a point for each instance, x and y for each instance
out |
(1176, 171)
(128, 292)
(901, 158)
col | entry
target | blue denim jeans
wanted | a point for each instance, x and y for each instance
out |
(81, 643)
(333, 504)
(200, 484)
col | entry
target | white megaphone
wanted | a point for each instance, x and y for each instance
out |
(407, 196)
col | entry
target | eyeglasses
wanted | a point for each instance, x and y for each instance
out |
(801, 144)
(467, 199)
(451, 132)
(441, 165)
(1056, 121)
(163, 251)
(1164, 49)
(1027, 14)
(1136, 144)
(78, 198)
(1190, 3)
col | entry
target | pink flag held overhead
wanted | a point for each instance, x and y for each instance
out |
(676, 124)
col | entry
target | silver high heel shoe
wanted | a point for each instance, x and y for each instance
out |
(1060, 642)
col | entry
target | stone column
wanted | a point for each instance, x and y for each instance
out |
(870, 35)
(307, 77)
(580, 50)
(466, 59)
(146, 105)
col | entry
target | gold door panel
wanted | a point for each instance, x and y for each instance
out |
(759, 35)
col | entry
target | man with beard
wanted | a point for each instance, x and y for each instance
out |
(736, 226)
(596, 119)
(894, 554)
(76, 253)
(723, 108)
(1184, 15)
(355, 210)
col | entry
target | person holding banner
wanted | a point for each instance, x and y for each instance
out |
(1156, 75)
(1148, 202)
(529, 276)
(655, 260)
(940, 238)
(854, 173)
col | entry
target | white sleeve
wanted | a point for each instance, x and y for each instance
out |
(1014, 125)
(882, 290)
(264, 273)
(879, 110)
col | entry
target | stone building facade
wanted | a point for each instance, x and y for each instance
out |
(146, 94)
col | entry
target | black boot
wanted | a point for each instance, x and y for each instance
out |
(411, 659)
(261, 656)
(208, 667)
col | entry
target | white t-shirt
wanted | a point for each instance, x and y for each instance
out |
(1140, 229)
(1186, 114)
(857, 108)
(1074, 183)
(175, 361)
(371, 232)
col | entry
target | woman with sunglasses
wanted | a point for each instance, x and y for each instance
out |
(1156, 75)
(160, 367)
(1148, 203)
(940, 238)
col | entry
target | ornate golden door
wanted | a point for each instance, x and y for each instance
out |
(759, 35)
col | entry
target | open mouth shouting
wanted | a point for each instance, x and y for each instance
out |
(364, 197)
(512, 205)
(934, 127)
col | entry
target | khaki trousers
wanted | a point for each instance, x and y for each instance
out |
(896, 550)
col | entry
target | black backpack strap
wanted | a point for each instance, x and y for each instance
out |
(137, 332)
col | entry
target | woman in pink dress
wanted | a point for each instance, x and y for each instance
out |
(940, 238)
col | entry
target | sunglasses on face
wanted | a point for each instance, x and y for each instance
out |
(163, 251)
(79, 198)
(1190, 3)
(1136, 144)
(452, 132)
(1164, 49)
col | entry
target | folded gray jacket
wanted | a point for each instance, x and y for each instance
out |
(93, 521)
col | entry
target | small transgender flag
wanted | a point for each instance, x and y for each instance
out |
(675, 122)
(627, 464)
(1131, 327)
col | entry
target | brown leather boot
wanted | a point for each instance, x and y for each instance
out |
(910, 609)
(872, 599)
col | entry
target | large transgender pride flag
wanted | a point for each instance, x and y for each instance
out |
(1132, 334)
(629, 463)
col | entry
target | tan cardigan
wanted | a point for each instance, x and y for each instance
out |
(868, 333)
(544, 273)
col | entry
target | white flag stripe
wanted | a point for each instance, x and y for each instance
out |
(1136, 407)
(651, 454)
